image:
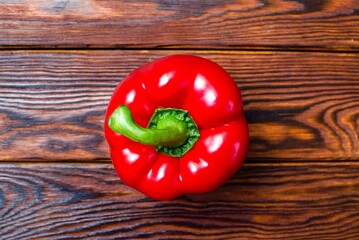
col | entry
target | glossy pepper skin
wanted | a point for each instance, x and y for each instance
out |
(212, 99)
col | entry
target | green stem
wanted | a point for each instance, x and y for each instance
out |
(170, 132)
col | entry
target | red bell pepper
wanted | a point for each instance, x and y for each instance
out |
(176, 126)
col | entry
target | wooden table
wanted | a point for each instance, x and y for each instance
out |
(296, 62)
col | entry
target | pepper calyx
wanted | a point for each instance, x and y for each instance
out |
(172, 131)
(183, 118)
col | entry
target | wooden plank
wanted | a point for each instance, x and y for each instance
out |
(300, 106)
(296, 24)
(277, 201)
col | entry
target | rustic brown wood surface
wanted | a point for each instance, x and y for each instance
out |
(300, 106)
(295, 61)
(317, 24)
(277, 201)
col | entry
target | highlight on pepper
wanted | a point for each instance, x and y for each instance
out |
(176, 126)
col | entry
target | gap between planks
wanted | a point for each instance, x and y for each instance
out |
(104, 162)
(179, 49)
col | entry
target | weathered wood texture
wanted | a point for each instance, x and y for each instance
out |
(300, 106)
(301, 177)
(261, 202)
(317, 24)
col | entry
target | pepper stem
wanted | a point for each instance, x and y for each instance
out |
(170, 132)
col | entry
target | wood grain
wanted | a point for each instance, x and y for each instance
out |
(296, 24)
(278, 201)
(299, 106)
